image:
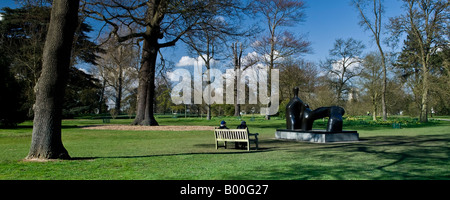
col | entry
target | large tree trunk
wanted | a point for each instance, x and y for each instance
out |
(149, 119)
(46, 140)
(142, 88)
(146, 89)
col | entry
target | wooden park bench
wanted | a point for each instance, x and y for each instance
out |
(235, 135)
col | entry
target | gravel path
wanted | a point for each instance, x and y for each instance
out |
(150, 128)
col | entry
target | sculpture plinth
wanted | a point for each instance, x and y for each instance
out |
(300, 119)
(317, 136)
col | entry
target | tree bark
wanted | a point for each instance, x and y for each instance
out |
(146, 89)
(46, 140)
(425, 88)
(143, 87)
(149, 119)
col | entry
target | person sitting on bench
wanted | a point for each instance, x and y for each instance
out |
(241, 145)
(223, 125)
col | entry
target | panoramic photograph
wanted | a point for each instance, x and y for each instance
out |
(224, 90)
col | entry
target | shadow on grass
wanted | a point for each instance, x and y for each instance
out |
(162, 155)
(31, 127)
(230, 150)
(373, 158)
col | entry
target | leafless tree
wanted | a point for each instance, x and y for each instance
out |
(371, 80)
(371, 13)
(280, 43)
(207, 42)
(118, 68)
(240, 64)
(211, 40)
(344, 64)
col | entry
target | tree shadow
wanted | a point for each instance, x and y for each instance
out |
(373, 158)
(228, 152)
(31, 127)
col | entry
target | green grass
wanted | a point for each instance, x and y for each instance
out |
(417, 151)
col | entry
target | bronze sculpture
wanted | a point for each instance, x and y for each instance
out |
(300, 116)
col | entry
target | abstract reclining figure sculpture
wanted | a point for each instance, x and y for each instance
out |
(300, 116)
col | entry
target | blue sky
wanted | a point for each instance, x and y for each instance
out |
(326, 21)
(7, 3)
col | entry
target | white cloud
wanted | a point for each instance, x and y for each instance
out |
(220, 18)
(1, 17)
(252, 58)
(186, 61)
(354, 65)
(258, 59)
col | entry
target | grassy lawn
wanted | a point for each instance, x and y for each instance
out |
(417, 151)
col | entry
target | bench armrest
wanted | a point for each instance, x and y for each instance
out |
(254, 134)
